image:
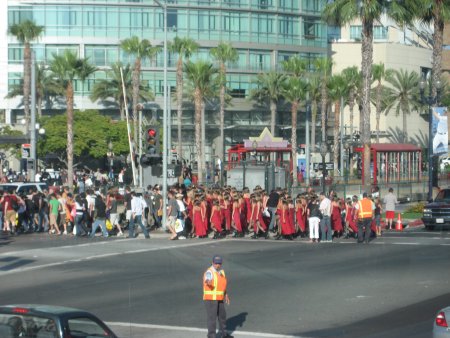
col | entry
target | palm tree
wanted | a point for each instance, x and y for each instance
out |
(436, 12)
(111, 88)
(323, 68)
(341, 12)
(337, 90)
(66, 68)
(184, 47)
(379, 73)
(141, 50)
(270, 86)
(404, 94)
(294, 91)
(201, 76)
(352, 78)
(26, 32)
(314, 96)
(223, 53)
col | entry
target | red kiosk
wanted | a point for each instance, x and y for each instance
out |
(394, 162)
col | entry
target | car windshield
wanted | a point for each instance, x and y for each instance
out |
(443, 196)
(27, 326)
(8, 187)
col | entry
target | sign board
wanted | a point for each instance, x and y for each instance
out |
(328, 166)
(26, 150)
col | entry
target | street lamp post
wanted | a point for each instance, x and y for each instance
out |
(347, 146)
(431, 101)
(323, 152)
(165, 113)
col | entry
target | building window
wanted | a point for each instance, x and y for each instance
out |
(309, 30)
(286, 26)
(380, 33)
(355, 32)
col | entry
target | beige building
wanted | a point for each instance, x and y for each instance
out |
(396, 49)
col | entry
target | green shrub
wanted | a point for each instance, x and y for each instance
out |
(417, 208)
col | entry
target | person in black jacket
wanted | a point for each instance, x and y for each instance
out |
(313, 218)
(99, 217)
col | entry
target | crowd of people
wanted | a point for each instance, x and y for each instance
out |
(195, 212)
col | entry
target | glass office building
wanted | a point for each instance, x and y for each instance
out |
(264, 32)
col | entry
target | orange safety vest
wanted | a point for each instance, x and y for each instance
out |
(365, 208)
(219, 287)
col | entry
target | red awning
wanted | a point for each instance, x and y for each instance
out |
(394, 147)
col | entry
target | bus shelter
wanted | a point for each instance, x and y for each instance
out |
(393, 162)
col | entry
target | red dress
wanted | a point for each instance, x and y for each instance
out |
(301, 219)
(260, 217)
(205, 220)
(336, 219)
(292, 218)
(199, 226)
(237, 219)
(216, 219)
(248, 208)
(227, 216)
(286, 228)
(352, 222)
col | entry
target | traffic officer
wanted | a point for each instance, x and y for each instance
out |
(365, 214)
(214, 296)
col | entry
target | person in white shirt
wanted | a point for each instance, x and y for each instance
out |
(138, 206)
(325, 222)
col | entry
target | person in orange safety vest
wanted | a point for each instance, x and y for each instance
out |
(214, 296)
(365, 214)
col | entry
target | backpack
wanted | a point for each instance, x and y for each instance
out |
(14, 204)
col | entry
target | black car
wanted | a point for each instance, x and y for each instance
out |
(47, 321)
(437, 213)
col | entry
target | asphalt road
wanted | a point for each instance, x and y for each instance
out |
(391, 287)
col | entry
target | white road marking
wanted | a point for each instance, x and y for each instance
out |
(97, 256)
(195, 329)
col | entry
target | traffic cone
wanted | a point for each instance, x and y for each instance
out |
(399, 225)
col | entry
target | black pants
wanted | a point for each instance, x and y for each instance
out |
(364, 223)
(215, 309)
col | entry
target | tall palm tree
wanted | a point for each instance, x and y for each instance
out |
(111, 88)
(379, 73)
(436, 12)
(184, 48)
(67, 67)
(323, 68)
(341, 12)
(337, 90)
(294, 91)
(141, 50)
(352, 78)
(200, 76)
(26, 32)
(404, 95)
(314, 96)
(270, 86)
(223, 53)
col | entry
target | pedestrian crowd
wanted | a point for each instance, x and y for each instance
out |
(196, 212)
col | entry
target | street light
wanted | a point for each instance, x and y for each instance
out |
(323, 151)
(430, 100)
(165, 114)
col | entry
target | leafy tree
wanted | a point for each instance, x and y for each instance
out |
(323, 69)
(352, 77)
(380, 73)
(66, 68)
(436, 12)
(184, 48)
(337, 90)
(294, 91)
(404, 95)
(201, 77)
(26, 32)
(270, 86)
(111, 88)
(88, 141)
(341, 12)
(314, 96)
(223, 53)
(141, 50)
(13, 148)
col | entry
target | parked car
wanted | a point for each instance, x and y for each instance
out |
(440, 327)
(24, 187)
(47, 321)
(437, 213)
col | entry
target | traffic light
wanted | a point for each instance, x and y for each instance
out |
(152, 154)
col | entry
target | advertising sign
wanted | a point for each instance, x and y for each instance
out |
(440, 131)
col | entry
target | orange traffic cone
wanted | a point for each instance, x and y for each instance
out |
(399, 225)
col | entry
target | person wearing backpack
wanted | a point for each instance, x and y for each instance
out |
(99, 217)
